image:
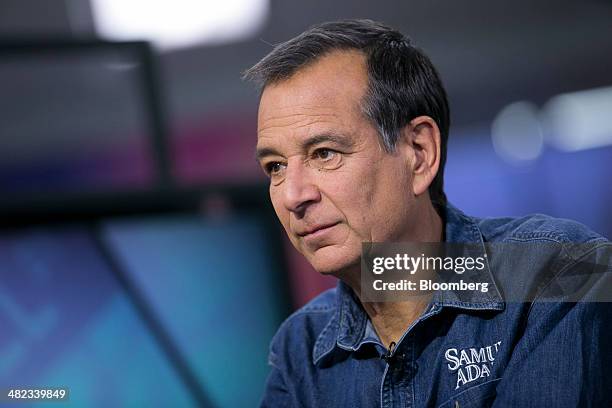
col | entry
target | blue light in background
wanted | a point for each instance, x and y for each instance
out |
(66, 322)
(213, 286)
(573, 185)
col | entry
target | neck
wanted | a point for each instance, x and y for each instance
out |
(392, 319)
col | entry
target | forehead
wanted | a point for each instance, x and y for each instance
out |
(330, 89)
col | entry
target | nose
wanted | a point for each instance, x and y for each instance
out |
(300, 189)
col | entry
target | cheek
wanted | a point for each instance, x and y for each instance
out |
(351, 194)
(371, 200)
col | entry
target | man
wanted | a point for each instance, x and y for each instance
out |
(352, 130)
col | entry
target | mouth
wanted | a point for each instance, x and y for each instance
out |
(317, 230)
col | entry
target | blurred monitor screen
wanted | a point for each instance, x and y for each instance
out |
(74, 119)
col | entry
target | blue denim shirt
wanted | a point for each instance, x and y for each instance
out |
(464, 350)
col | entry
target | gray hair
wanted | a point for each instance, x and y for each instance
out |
(402, 82)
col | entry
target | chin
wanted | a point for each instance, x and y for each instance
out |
(333, 261)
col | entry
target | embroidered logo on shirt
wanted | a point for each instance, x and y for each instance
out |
(471, 363)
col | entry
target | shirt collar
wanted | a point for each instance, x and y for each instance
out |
(459, 228)
(348, 328)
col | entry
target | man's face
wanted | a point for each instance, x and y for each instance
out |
(332, 184)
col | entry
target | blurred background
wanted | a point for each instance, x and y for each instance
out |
(140, 260)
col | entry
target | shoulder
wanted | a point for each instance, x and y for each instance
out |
(297, 335)
(539, 257)
(536, 227)
(320, 306)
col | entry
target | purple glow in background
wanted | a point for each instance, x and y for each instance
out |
(126, 167)
(218, 149)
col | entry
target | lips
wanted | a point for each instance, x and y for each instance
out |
(316, 228)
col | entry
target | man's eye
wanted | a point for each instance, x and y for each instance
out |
(273, 168)
(325, 154)
(326, 159)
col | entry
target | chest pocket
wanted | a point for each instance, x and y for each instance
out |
(481, 395)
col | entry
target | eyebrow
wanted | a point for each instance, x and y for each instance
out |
(264, 152)
(339, 140)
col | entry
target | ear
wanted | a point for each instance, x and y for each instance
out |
(422, 140)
